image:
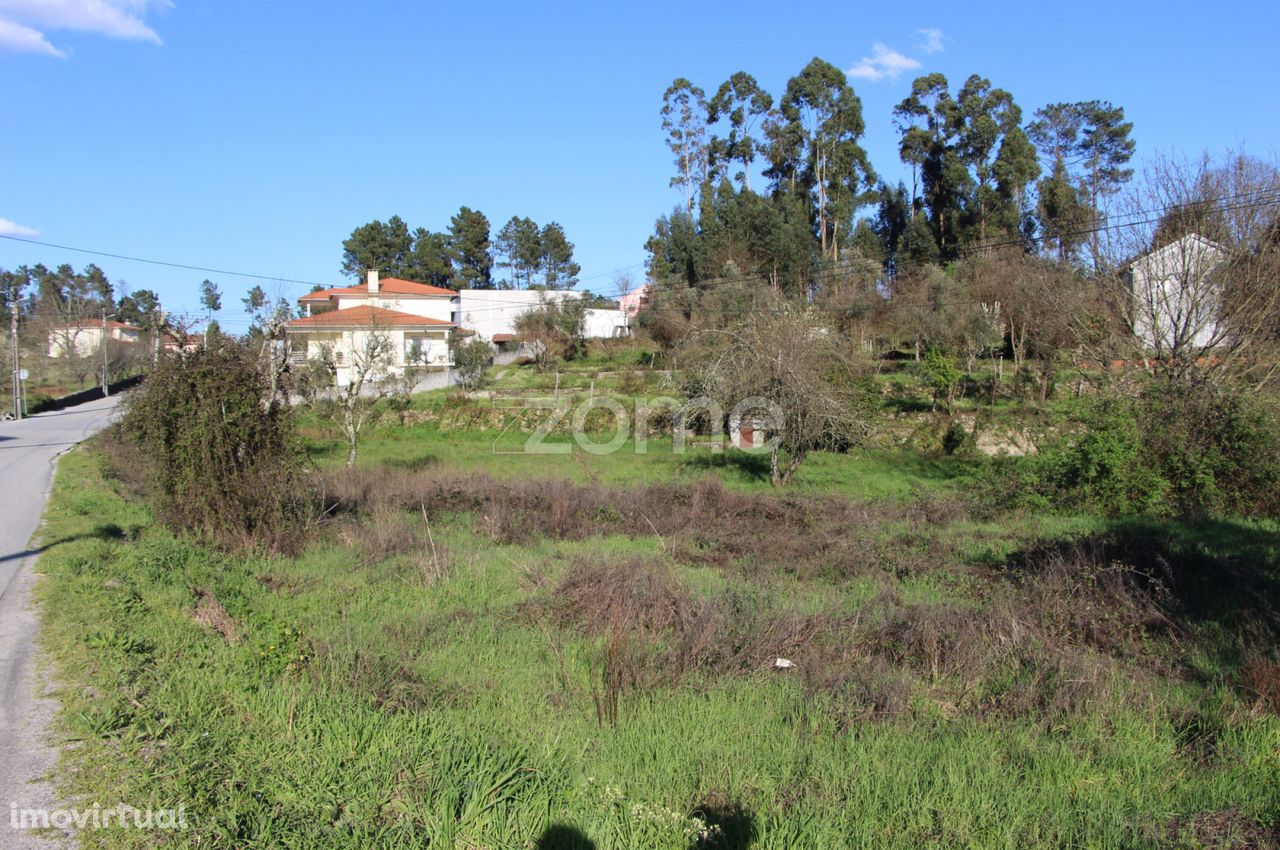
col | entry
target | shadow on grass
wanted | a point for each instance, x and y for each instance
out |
(110, 531)
(733, 827)
(1217, 579)
(897, 404)
(752, 467)
(561, 836)
(412, 464)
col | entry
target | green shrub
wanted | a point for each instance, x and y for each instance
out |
(956, 439)
(218, 460)
(471, 359)
(1191, 450)
(1218, 450)
(941, 375)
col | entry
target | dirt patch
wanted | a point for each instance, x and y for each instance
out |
(210, 614)
(1229, 828)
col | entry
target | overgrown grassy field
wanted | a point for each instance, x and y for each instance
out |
(583, 649)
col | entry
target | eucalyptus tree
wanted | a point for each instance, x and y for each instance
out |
(815, 147)
(927, 119)
(210, 296)
(684, 120)
(991, 143)
(745, 105)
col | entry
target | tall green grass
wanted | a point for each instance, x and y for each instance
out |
(369, 705)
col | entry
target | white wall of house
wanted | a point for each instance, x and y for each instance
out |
(495, 311)
(1174, 297)
(86, 340)
(432, 307)
(346, 345)
(606, 324)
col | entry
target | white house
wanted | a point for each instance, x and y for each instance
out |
(492, 313)
(414, 318)
(1176, 300)
(392, 293)
(85, 339)
(419, 318)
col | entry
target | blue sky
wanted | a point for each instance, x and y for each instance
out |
(253, 136)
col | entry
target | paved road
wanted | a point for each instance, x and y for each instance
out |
(28, 451)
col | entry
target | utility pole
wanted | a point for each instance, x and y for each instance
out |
(17, 365)
(106, 391)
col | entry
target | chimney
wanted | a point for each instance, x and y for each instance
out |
(373, 281)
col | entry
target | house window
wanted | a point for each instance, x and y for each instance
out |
(417, 350)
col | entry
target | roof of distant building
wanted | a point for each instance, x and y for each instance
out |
(386, 286)
(365, 316)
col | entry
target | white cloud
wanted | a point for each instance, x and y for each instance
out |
(23, 23)
(16, 38)
(883, 63)
(10, 228)
(929, 40)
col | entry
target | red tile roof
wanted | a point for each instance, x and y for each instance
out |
(365, 316)
(388, 286)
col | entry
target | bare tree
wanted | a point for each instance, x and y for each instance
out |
(270, 316)
(372, 361)
(1201, 292)
(1044, 307)
(789, 373)
(623, 283)
(556, 328)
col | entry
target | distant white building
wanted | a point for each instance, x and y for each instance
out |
(419, 318)
(606, 324)
(416, 318)
(492, 313)
(1176, 301)
(85, 339)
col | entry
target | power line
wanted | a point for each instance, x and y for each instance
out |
(1099, 223)
(252, 275)
(184, 266)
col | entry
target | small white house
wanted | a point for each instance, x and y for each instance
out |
(1176, 301)
(85, 339)
(412, 319)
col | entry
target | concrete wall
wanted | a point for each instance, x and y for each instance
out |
(494, 311)
(606, 324)
(433, 308)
